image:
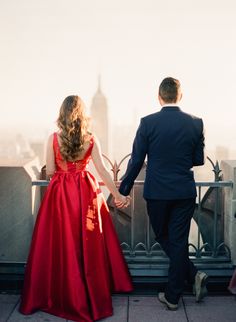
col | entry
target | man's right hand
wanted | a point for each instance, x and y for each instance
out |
(122, 201)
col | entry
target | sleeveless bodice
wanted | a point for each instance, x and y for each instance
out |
(69, 166)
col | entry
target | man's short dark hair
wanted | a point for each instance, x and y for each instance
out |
(169, 90)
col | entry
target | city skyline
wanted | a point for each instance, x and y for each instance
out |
(51, 49)
(19, 145)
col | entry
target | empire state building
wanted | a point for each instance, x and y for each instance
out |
(99, 115)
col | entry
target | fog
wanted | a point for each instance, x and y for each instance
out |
(50, 49)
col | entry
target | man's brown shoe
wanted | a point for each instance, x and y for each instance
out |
(170, 306)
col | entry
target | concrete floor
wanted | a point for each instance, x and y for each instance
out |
(139, 309)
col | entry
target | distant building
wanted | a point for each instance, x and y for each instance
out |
(23, 147)
(221, 153)
(123, 136)
(15, 148)
(39, 149)
(99, 115)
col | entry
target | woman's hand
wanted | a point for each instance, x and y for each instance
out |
(122, 201)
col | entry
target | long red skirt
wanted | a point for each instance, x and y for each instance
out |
(75, 261)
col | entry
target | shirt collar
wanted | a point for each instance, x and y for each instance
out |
(171, 106)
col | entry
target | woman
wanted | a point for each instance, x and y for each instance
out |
(75, 260)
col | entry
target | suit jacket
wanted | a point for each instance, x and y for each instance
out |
(173, 142)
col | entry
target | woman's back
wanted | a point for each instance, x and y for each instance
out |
(76, 165)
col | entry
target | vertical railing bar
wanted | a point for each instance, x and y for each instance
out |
(148, 235)
(198, 221)
(115, 208)
(132, 221)
(215, 223)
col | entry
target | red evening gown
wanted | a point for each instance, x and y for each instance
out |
(232, 284)
(75, 261)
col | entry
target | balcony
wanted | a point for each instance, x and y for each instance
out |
(212, 244)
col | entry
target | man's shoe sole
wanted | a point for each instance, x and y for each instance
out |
(170, 306)
(201, 291)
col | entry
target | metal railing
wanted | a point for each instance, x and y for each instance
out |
(137, 238)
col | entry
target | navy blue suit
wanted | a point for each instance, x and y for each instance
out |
(173, 142)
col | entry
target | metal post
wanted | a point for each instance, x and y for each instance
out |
(198, 255)
(132, 224)
(214, 253)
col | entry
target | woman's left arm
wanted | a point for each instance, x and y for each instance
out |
(50, 159)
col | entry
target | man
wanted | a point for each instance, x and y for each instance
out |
(173, 142)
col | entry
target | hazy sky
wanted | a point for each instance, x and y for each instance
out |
(53, 48)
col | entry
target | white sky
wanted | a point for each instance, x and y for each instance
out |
(53, 48)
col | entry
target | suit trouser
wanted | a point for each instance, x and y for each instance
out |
(170, 220)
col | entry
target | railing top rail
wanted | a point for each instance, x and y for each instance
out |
(41, 183)
(213, 184)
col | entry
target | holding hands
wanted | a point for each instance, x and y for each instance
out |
(122, 201)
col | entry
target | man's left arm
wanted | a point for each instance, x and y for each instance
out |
(199, 153)
(136, 161)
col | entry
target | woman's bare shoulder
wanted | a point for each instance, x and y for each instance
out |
(88, 137)
(50, 137)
